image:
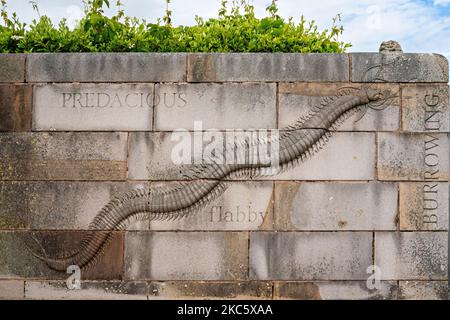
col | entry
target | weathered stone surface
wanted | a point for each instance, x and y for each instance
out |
(76, 146)
(106, 67)
(15, 107)
(390, 46)
(217, 106)
(186, 290)
(63, 170)
(425, 108)
(217, 67)
(395, 67)
(94, 107)
(186, 255)
(152, 157)
(57, 290)
(73, 206)
(155, 155)
(63, 156)
(57, 205)
(424, 206)
(334, 290)
(420, 157)
(11, 289)
(243, 206)
(423, 290)
(346, 156)
(12, 67)
(411, 255)
(14, 203)
(335, 206)
(18, 262)
(298, 99)
(310, 256)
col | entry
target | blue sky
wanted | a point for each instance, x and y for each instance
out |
(419, 25)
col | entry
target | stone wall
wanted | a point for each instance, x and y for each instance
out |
(80, 129)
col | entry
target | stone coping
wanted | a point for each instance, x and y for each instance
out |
(223, 67)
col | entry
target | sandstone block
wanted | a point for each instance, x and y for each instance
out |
(310, 256)
(186, 255)
(335, 206)
(93, 107)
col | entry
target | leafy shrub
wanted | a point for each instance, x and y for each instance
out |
(235, 30)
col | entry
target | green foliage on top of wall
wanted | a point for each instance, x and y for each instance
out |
(235, 30)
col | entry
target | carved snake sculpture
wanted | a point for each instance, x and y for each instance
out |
(297, 143)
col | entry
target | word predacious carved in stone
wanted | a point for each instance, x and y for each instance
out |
(106, 100)
(122, 100)
(94, 107)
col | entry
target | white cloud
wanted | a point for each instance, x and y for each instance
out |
(419, 28)
(73, 15)
(441, 2)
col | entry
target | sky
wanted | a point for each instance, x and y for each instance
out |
(419, 25)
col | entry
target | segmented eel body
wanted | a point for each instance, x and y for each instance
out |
(297, 143)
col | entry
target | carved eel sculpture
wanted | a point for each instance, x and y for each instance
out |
(297, 143)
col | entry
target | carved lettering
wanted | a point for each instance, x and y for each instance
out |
(431, 142)
(432, 113)
(104, 100)
(238, 214)
(171, 99)
(66, 98)
(432, 100)
(431, 160)
(430, 203)
(121, 100)
(77, 98)
(431, 219)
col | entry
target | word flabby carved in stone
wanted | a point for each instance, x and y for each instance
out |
(297, 143)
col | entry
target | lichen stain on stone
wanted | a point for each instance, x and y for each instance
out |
(443, 64)
(268, 223)
(203, 67)
(342, 224)
(8, 222)
(298, 291)
(429, 258)
(211, 290)
(411, 199)
(287, 192)
(234, 253)
(392, 172)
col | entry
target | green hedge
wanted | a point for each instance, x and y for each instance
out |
(235, 30)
